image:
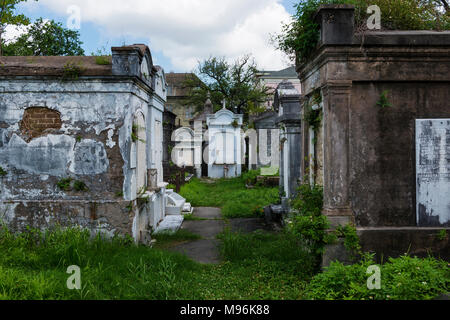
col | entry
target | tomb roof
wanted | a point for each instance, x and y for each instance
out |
(60, 65)
(52, 66)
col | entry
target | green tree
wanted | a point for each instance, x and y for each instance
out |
(299, 38)
(8, 16)
(46, 38)
(236, 83)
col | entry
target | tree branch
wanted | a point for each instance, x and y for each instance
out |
(446, 5)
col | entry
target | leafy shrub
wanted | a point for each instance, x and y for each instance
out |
(403, 278)
(307, 222)
(351, 239)
(250, 176)
(2, 172)
(384, 101)
(65, 184)
(68, 184)
(80, 186)
(72, 70)
(310, 226)
(313, 117)
(442, 235)
(103, 60)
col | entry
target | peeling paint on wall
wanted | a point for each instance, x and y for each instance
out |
(433, 172)
(89, 157)
(45, 155)
(50, 130)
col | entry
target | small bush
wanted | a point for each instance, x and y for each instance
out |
(102, 57)
(403, 278)
(103, 60)
(442, 235)
(119, 194)
(351, 239)
(72, 70)
(68, 184)
(2, 172)
(80, 186)
(384, 101)
(307, 222)
(250, 176)
(65, 184)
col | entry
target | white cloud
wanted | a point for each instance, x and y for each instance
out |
(13, 32)
(186, 31)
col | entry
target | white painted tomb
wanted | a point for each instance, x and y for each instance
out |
(225, 144)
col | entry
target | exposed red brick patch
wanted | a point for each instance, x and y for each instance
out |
(39, 121)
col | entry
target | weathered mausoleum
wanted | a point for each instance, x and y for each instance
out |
(383, 147)
(81, 142)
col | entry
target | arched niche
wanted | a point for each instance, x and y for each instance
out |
(139, 137)
(183, 153)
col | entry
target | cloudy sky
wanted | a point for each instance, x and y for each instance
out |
(178, 32)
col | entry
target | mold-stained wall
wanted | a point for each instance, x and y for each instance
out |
(53, 129)
(382, 172)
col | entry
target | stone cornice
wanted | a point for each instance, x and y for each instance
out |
(393, 63)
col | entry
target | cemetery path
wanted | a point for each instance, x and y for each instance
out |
(206, 250)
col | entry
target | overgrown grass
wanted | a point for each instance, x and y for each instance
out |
(231, 195)
(403, 278)
(191, 217)
(164, 240)
(33, 266)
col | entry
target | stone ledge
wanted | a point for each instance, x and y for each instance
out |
(396, 241)
(403, 38)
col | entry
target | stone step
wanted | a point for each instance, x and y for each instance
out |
(187, 208)
(170, 224)
(175, 204)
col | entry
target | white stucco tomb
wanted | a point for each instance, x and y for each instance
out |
(225, 144)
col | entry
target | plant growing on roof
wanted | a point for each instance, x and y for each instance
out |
(72, 70)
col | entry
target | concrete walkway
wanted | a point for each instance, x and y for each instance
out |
(206, 250)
